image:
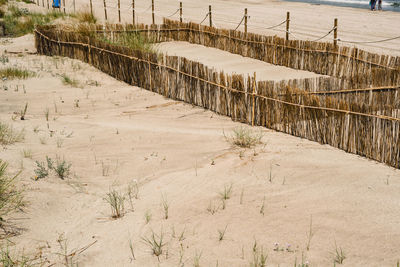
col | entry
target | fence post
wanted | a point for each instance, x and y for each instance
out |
(180, 12)
(210, 15)
(152, 11)
(43, 3)
(335, 32)
(133, 12)
(105, 10)
(287, 25)
(245, 20)
(91, 7)
(48, 4)
(254, 104)
(74, 6)
(64, 6)
(119, 11)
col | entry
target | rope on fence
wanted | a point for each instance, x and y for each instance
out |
(368, 42)
(174, 13)
(220, 85)
(240, 23)
(325, 35)
(208, 13)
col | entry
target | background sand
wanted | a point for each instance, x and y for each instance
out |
(179, 152)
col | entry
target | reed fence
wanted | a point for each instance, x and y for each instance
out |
(293, 111)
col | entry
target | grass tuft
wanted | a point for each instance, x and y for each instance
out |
(155, 242)
(10, 197)
(15, 73)
(244, 137)
(117, 203)
(66, 80)
(9, 136)
(86, 17)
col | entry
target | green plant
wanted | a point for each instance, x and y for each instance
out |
(10, 196)
(259, 257)
(7, 259)
(227, 192)
(62, 168)
(132, 40)
(221, 233)
(60, 142)
(131, 249)
(41, 171)
(10, 136)
(147, 216)
(244, 137)
(196, 260)
(117, 203)
(27, 153)
(339, 255)
(15, 73)
(165, 206)
(86, 16)
(68, 81)
(262, 209)
(47, 114)
(23, 112)
(155, 242)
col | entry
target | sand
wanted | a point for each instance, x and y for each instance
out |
(115, 135)
(231, 63)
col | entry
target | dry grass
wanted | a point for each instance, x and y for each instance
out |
(10, 136)
(15, 73)
(244, 137)
(86, 17)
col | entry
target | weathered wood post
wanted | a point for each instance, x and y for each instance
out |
(254, 104)
(133, 12)
(119, 11)
(152, 11)
(105, 10)
(91, 7)
(48, 4)
(63, 6)
(180, 12)
(245, 20)
(74, 6)
(287, 25)
(335, 25)
(210, 15)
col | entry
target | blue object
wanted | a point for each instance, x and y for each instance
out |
(56, 3)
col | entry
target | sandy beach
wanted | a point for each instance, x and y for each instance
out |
(293, 200)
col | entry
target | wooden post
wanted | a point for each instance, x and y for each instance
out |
(91, 7)
(254, 104)
(180, 12)
(64, 6)
(48, 4)
(133, 12)
(245, 20)
(335, 25)
(210, 15)
(43, 3)
(74, 6)
(105, 10)
(287, 25)
(152, 11)
(119, 11)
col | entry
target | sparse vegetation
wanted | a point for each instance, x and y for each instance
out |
(61, 168)
(310, 235)
(212, 208)
(147, 216)
(15, 73)
(69, 81)
(165, 205)
(117, 203)
(221, 233)
(19, 22)
(23, 112)
(259, 257)
(10, 196)
(227, 192)
(339, 255)
(86, 17)
(10, 136)
(132, 40)
(244, 137)
(27, 153)
(155, 242)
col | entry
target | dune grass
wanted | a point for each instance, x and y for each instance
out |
(10, 136)
(15, 73)
(18, 22)
(10, 196)
(244, 137)
(86, 17)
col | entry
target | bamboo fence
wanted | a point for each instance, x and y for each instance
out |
(300, 112)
